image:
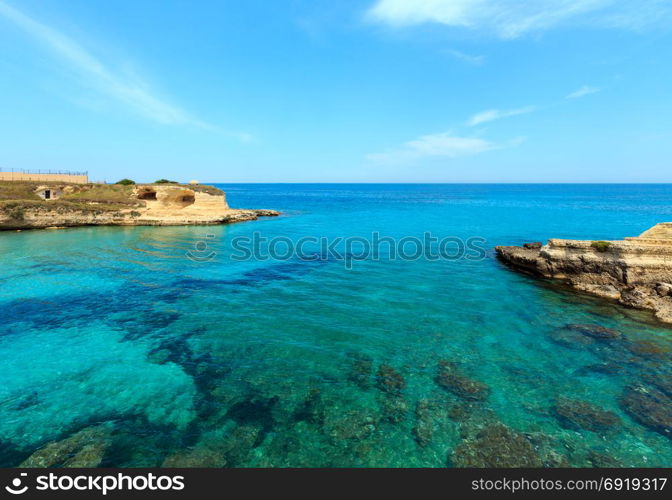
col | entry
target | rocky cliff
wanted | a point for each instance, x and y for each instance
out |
(636, 271)
(24, 206)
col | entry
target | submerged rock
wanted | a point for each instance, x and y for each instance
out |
(603, 368)
(312, 410)
(283, 445)
(231, 448)
(22, 402)
(575, 414)
(569, 338)
(648, 349)
(85, 448)
(595, 331)
(496, 446)
(238, 444)
(450, 379)
(461, 411)
(650, 407)
(394, 408)
(389, 380)
(196, 457)
(361, 370)
(602, 460)
(423, 431)
(257, 411)
(554, 460)
(355, 423)
(661, 381)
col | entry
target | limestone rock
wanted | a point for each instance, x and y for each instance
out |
(635, 271)
(144, 205)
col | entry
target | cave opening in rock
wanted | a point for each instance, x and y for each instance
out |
(147, 195)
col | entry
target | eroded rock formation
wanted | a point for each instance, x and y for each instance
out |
(141, 205)
(636, 271)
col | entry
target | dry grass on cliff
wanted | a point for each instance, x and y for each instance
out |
(103, 196)
(18, 197)
(18, 191)
(102, 193)
(16, 209)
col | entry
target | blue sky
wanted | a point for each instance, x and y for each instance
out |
(347, 91)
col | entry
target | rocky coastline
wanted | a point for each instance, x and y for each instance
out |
(636, 271)
(72, 205)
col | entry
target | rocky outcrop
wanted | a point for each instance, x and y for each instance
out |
(650, 407)
(450, 378)
(496, 446)
(576, 414)
(637, 271)
(85, 448)
(141, 205)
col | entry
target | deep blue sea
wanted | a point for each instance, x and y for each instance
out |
(414, 362)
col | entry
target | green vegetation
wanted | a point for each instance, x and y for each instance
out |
(204, 188)
(165, 181)
(600, 246)
(15, 212)
(126, 182)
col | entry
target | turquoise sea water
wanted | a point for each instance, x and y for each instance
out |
(278, 363)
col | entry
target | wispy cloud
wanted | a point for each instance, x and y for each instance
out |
(463, 56)
(491, 115)
(452, 145)
(133, 93)
(441, 145)
(583, 91)
(513, 18)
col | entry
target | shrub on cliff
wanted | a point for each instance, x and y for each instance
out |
(16, 213)
(600, 246)
(165, 181)
(126, 182)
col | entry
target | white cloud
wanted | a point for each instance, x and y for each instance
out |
(496, 114)
(131, 92)
(514, 18)
(583, 91)
(463, 56)
(443, 145)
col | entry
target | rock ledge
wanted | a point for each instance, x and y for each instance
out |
(636, 271)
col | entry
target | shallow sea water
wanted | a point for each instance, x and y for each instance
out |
(113, 331)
